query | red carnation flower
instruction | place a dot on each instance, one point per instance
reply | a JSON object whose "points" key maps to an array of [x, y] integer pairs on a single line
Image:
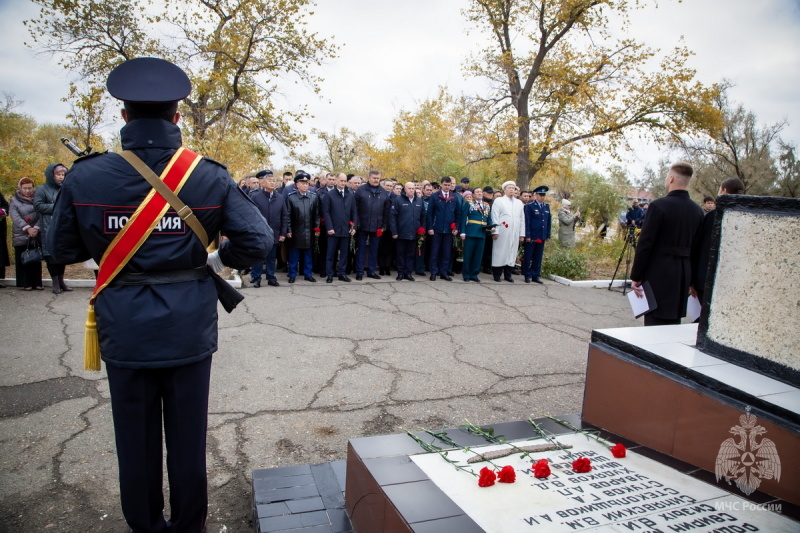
{"points": [[420, 231], [378, 232], [541, 468], [582, 465], [486, 478], [322, 221], [316, 229], [619, 451], [507, 475], [453, 225], [352, 223]]}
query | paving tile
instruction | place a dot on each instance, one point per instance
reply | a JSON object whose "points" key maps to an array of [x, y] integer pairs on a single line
{"points": [[282, 495], [281, 471], [280, 482], [453, 524], [392, 470], [420, 501], [305, 505], [294, 521]]}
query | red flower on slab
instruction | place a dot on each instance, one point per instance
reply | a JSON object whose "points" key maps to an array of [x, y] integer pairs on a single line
{"points": [[507, 475], [420, 231], [541, 468], [378, 232], [618, 451], [582, 465], [486, 478]]}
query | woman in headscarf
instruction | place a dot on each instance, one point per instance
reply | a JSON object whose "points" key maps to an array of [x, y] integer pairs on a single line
{"points": [[566, 224], [24, 234], [43, 202]]}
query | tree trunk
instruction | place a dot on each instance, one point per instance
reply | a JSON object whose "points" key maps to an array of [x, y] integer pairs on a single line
{"points": [[523, 145]]}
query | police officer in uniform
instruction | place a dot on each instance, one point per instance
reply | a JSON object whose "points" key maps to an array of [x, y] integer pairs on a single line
{"points": [[157, 319], [538, 223]]}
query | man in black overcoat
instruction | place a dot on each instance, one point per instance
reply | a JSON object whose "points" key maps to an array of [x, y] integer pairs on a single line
{"points": [[339, 212], [663, 253]]}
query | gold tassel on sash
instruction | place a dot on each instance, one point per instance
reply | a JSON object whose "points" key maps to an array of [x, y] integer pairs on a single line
{"points": [[91, 349]]}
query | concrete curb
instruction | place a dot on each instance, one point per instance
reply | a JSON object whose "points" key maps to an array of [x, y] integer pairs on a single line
{"points": [[596, 283]]}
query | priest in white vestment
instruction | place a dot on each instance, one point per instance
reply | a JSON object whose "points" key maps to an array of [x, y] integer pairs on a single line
{"points": [[509, 231]]}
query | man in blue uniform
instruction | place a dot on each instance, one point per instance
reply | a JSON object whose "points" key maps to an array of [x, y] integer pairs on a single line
{"points": [[444, 216], [537, 231], [157, 319]]}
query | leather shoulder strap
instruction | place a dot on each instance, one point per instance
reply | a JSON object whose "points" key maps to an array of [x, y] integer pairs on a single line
{"points": [[172, 199]]}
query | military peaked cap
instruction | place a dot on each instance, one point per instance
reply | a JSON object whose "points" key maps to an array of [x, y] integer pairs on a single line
{"points": [[148, 80]]}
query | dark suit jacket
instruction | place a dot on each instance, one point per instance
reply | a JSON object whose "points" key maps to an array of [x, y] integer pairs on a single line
{"points": [[663, 253], [441, 213], [339, 212]]}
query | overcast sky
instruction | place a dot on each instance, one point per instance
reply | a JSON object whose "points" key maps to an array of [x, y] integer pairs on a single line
{"points": [[395, 54]]}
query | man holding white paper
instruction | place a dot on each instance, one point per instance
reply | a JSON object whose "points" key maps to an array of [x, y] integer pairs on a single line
{"points": [[663, 253]]}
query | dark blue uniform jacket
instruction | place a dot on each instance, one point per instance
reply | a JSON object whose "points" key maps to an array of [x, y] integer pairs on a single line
{"points": [[273, 210], [339, 212], [441, 213], [372, 207], [154, 326], [538, 221], [406, 216]]}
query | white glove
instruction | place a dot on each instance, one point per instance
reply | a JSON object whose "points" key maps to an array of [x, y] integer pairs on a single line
{"points": [[215, 262]]}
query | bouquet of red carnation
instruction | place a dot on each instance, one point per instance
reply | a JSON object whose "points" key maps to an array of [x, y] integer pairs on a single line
{"points": [[379, 232], [420, 240], [486, 478], [541, 468], [582, 465]]}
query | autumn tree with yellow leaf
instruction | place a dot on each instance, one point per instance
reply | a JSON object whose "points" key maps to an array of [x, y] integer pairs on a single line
{"points": [[236, 52], [562, 76]]}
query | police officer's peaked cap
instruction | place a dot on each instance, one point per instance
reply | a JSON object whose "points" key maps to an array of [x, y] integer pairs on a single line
{"points": [[148, 80], [302, 176], [541, 189], [264, 173]]}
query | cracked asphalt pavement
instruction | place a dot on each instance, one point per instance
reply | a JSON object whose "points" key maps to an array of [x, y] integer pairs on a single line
{"points": [[301, 369]]}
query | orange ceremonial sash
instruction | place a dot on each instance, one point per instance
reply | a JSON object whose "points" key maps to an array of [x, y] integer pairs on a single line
{"points": [[126, 243]]}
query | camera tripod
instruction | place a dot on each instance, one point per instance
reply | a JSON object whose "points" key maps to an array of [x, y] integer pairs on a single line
{"points": [[628, 250]]}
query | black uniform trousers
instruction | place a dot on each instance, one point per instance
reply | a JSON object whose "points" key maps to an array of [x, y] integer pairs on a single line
{"points": [[336, 245], [138, 399]]}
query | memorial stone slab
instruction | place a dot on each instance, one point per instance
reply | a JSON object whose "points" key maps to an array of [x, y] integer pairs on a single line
{"points": [[752, 291], [633, 493]]}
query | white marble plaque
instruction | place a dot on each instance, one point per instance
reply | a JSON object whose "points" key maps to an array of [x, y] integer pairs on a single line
{"points": [[628, 494]]}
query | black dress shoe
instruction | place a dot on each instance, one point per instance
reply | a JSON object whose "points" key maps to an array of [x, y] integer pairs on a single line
{"points": [[451, 273], [497, 279], [476, 280], [510, 280], [409, 277], [373, 276], [433, 277], [257, 283], [291, 280], [312, 279], [344, 278], [446, 277], [527, 280], [399, 277], [359, 277], [329, 279], [418, 273], [273, 283], [537, 280]]}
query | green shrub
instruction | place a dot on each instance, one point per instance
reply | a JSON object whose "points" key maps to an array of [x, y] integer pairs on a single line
{"points": [[565, 262]]}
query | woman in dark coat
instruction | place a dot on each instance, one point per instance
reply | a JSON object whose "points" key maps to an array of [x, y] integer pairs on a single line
{"points": [[4, 259], [25, 230], [43, 202]]}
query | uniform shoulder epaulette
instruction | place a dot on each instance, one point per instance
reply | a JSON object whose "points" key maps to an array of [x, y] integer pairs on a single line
{"points": [[292, 192], [215, 162], [93, 154]]}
